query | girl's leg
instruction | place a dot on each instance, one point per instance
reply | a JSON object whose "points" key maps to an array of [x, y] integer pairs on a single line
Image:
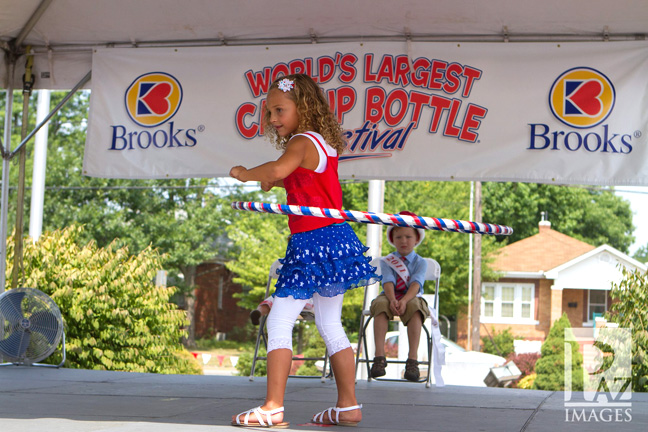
{"points": [[328, 312], [281, 321], [280, 324]]}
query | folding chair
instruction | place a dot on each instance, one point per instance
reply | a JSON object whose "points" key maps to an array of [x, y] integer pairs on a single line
{"points": [[433, 274], [263, 334]]}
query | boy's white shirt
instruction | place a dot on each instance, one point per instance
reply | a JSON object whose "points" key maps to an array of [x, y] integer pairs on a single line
{"points": [[397, 264]]}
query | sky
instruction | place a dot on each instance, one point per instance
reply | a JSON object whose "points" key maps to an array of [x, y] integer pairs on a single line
{"points": [[638, 197]]}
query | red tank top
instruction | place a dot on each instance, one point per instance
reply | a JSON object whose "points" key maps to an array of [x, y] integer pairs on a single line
{"points": [[305, 187]]}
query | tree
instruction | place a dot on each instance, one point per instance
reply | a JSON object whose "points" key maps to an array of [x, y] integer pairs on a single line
{"points": [[595, 216], [641, 254], [115, 317], [448, 200], [628, 309], [258, 240], [182, 218], [550, 367]]}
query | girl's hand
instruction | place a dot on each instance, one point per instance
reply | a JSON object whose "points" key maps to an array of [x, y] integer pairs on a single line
{"points": [[237, 172], [266, 186]]}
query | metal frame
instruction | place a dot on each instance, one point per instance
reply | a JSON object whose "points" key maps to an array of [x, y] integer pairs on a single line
{"points": [[262, 335]]}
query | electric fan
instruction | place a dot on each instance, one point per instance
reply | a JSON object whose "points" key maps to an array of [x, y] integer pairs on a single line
{"points": [[31, 326]]}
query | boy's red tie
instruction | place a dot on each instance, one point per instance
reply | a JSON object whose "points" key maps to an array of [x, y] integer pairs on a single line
{"points": [[401, 287]]}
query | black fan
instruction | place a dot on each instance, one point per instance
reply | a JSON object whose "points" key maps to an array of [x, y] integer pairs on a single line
{"points": [[31, 326]]}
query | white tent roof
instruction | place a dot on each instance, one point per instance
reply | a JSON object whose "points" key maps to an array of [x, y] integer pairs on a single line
{"points": [[70, 28]]}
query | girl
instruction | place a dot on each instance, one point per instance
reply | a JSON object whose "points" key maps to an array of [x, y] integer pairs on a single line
{"points": [[324, 257]]}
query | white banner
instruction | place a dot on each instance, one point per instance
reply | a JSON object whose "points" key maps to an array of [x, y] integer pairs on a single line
{"points": [[569, 113]]}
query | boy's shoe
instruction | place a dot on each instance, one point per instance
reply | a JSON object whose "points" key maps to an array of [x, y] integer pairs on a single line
{"points": [[412, 370], [378, 368], [254, 316]]}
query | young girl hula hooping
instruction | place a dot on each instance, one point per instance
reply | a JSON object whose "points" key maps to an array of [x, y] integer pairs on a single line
{"points": [[324, 257]]}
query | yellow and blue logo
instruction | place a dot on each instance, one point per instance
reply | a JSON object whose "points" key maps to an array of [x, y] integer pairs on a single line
{"points": [[582, 97], [153, 98]]}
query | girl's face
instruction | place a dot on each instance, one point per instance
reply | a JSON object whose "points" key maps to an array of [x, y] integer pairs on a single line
{"points": [[283, 112], [404, 238]]}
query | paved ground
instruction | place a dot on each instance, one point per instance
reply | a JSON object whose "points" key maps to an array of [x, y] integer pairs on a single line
{"points": [[56, 400]]}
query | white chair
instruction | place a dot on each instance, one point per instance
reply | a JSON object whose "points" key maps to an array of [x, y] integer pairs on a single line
{"points": [[434, 348], [263, 336]]}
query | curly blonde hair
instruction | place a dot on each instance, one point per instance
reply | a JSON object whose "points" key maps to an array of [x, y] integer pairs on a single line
{"points": [[313, 111]]}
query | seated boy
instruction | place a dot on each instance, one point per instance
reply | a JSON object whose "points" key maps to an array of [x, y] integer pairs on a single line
{"points": [[403, 275]]}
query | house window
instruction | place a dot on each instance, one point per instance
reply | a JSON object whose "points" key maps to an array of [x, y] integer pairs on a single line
{"points": [[507, 302], [597, 304]]}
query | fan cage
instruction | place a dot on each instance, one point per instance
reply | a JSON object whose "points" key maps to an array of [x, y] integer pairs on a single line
{"points": [[31, 325]]}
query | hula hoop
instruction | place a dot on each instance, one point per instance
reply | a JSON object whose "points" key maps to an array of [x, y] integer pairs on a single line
{"points": [[429, 223]]}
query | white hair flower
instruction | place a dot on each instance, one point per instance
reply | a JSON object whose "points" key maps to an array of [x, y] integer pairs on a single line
{"points": [[286, 85]]}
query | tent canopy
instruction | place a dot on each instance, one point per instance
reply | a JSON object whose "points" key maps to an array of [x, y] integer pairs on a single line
{"points": [[62, 33]]}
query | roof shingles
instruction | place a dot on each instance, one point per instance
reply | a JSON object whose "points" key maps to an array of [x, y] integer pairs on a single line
{"points": [[544, 251]]}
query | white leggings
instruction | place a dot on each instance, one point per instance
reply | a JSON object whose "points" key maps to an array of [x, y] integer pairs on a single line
{"points": [[328, 312]]}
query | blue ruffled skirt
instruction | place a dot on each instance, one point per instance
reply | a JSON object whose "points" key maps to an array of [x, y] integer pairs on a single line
{"points": [[328, 261]]}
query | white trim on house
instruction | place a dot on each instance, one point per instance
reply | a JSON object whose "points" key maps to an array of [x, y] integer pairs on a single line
{"points": [[523, 275], [631, 262], [597, 269], [519, 309]]}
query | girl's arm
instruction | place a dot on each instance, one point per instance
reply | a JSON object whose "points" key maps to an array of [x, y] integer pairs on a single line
{"points": [[299, 152]]}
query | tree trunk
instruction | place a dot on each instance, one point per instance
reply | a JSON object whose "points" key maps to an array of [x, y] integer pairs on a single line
{"points": [[190, 300]]}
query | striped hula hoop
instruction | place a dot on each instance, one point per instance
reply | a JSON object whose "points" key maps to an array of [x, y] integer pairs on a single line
{"points": [[452, 225]]}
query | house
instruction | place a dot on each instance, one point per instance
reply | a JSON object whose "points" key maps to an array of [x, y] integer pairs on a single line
{"points": [[216, 312], [546, 275]]}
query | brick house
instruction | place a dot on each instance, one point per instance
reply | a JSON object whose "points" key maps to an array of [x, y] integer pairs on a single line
{"points": [[546, 275], [215, 307]]}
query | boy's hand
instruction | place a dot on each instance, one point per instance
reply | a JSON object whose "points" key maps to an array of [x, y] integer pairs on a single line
{"points": [[402, 306], [393, 306], [237, 172]]}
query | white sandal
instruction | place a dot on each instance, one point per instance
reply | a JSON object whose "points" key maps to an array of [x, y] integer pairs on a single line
{"points": [[258, 414], [319, 417]]}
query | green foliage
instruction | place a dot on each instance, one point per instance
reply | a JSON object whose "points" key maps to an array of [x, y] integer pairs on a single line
{"points": [[550, 368], [574, 211], [244, 364], [501, 345], [527, 381], [641, 254], [115, 317], [259, 240], [449, 200], [628, 309], [315, 347]]}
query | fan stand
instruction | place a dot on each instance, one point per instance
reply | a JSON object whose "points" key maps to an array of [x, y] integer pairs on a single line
{"points": [[21, 363]]}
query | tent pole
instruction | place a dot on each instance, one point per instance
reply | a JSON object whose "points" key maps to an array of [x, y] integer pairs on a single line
{"points": [[470, 266], [29, 25], [375, 203], [40, 164], [476, 306], [4, 194]]}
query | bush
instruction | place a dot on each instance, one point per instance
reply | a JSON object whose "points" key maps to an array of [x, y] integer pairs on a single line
{"points": [[629, 311], [527, 382], [244, 364], [115, 317], [525, 362], [501, 343], [550, 367]]}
